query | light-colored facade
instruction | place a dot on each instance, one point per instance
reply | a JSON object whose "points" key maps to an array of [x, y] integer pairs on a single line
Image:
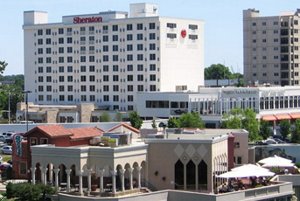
{"points": [[105, 58], [271, 43], [212, 103]]}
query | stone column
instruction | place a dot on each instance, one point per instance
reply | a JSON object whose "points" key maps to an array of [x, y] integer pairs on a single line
{"points": [[50, 173], [80, 182], [56, 171], [89, 173], [196, 179], [33, 175], [45, 175], [139, 176], [113, 174], [68, 179], [101, 173], [130, 178], [42, 174], [184, 177], [122, 171]]}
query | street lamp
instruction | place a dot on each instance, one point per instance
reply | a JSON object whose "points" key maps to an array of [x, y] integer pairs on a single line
{"points": [[26, 102]]}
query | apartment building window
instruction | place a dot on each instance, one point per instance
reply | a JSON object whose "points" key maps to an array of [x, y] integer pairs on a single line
{"points": [[70, 88], [129, 37], [152, 77], [276, 74], [129, 27], [40, 69], [152, 87], [82, 59], [83, 87], [130, 107], [253, 23], [48, 79], [40, 32], [105, 98], [115, 87], [129, 67], [139, 36], [115, 57], [83, 78], [129, 78], [105, 68], [115, 38], [171, 35], [82, 68], [139, 26], [139, 47], [70, 97], [60, 31], [115, 98], [152, 57], [105, 38], [115, 78], [40, 88], [264, 23], [264, 40], [91, 58], [105, 78], [130, 98], [92, 98], [69, 49], [152, 36], [140, 67], [115, 28], [152, 67], [69, 59], [140, 87], [152, 46], [48, 60], [171, 25], [61, 50], [140, 77], [48, 41], [69, 40], [60, 40], [193, 37], [129, 57], [48, 69], [105, 58], [152, 25], [61, 78], [61, 59], [92, 87], [61, 98], [40, 60], [115, 68], [193, 26], [70, 78], [40, 41], [61, 88], [83, 97], [129, 87], [49, 88], [92, 68], [105, 48], [48, 50], [70, 69], [92, 78], [40, 79], [105, 87]]}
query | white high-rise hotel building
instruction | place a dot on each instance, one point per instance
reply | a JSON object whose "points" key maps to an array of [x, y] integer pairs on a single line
{"points": [[108, 57]]}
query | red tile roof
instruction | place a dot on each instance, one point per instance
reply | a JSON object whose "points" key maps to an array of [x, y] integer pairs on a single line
{"points": [[88, 132], [51, 130], [126, 126]]}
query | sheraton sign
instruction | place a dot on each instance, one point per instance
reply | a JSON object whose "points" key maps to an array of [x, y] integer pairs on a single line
{"points": [[80, 20]]}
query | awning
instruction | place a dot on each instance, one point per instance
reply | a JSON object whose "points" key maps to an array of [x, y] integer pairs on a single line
{"points": [[295, 115], [269, 118], [282, 116]]}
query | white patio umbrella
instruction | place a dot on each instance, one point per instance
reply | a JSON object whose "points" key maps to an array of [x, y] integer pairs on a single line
{"points": [[250, 167], [242, 174], [275, 159], [278, 164]]}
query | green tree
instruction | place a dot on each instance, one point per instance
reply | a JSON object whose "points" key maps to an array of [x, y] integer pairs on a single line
{"points": [[190, 120], [105, 117], [217, 72], [135, 120], [296, 132], [173, 123], [285, 128], [3, 65], [264, 130], [232, 120]]}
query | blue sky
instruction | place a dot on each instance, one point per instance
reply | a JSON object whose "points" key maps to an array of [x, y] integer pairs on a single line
{"points": [[223, 23]]}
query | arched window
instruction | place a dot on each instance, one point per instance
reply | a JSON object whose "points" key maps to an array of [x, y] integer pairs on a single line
{"points": [[191, 175], [202, 175], [179, 175]]}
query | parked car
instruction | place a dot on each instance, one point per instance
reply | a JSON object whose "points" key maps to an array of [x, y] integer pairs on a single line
{"points": [[270, 141], [4, 166], [6, 150], [2, 138]]}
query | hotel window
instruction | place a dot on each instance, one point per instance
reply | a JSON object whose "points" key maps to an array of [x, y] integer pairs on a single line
{"points": [[49, 88], [92, 78], [48, 41], [115, 98], [139, 36], [105, 68], [105, 98], [91, 58], [130, 98], [70, 88], [105, 48], [115, 87], [69, 49], [129, 27], [105, 28], [83, 97], [115, 48], [92, 98], [171, 35], [61, 78], [60, 31], [40, 60], [129, 57], [193, 37], [115, 38], [129, 37], [105, 58], [83, 78], [105, 78], [152, 46], [82, 68], [115, 57], [115, 78], [140, 87], [40, 50], [92, 68], [40, 69], [115, 28], [130, 107], [40, 32], [61, 41], [91, 29], [61, 88], [171, 25], [129, 78], [129, 47], [152, 87], [140, 67], [140, 77], [40, 78], [105, 38], [70, 78], [23, 168], [105, 87], [48, 31], [41, 98], [40, 41], [70, 69], [61, 59], [48, 50], [152, 67], [152, 36], [140, 57], [69, 30], [48, 69], [193, 26], [40, 88], [48, 79], [92, 87], [83, 87], [152, 57], [115, 68], [61, 98], [139, 26], [129, 67], [48, 60], [69, 40], [82, 59], [70, 97], [152, 25], [139, 47], [152, 77], [129, 87], [70, 59], [61, 50]]}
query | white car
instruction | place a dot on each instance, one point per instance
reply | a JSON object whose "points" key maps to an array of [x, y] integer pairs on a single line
{"points": [[6, 150]]}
